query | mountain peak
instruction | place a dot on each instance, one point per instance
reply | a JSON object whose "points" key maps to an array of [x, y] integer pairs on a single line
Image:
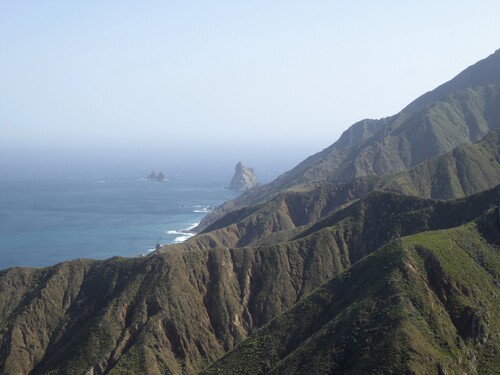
{"points": [[484, 72]]}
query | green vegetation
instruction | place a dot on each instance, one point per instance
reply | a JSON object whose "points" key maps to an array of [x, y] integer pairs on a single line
{"points": [[416, 305], [461, 172]]}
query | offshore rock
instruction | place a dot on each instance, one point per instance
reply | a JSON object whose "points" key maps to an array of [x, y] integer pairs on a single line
{"points": [[160, 177], [153, 176], [244, 178]]}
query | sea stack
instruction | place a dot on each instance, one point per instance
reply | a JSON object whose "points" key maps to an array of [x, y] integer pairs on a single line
{"points": [[153, 176], [244, 178], [160, 177]]}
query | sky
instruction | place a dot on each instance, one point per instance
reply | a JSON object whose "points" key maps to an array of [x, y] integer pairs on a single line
{"points": [[129, 86]]}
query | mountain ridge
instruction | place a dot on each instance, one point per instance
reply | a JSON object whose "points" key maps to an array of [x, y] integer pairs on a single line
{"points": [[462, 171], [478, 74], [401, 141]]}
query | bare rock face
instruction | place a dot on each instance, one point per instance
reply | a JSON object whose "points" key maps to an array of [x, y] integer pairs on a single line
{"points": [[244, 178]]}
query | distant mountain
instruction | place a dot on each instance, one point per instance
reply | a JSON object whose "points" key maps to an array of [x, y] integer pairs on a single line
{"points": [[461, 111], [458, 112], [484, 73]]}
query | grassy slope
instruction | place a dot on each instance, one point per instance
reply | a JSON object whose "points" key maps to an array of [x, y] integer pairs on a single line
{"points": [[463, 171], [424, 304], [285, 212], [172, 312]]}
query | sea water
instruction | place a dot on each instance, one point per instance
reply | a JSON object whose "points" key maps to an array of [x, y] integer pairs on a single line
{"points": [[46, 222]]}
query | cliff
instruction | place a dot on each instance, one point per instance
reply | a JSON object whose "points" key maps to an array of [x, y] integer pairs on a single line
{"points": [[244, 178]]}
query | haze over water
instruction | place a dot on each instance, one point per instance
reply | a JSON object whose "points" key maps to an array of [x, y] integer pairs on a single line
{"points": [[120, 85]]}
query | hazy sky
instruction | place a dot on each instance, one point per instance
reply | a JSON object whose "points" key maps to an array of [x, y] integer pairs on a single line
{"points": [[187, 81]]}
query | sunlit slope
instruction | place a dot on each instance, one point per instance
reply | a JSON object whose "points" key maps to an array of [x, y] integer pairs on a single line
{"points": [[460, 172], [425, 304]]}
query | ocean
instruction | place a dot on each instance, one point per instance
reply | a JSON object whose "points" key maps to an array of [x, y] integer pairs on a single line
{"points": [[46, 222]]}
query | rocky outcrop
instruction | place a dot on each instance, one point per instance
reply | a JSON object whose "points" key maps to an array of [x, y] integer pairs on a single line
{"points": [[160, 177], [244, 178]]}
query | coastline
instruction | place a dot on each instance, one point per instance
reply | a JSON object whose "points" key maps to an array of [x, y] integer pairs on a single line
{"points": [[182, 234], [99, 219]]}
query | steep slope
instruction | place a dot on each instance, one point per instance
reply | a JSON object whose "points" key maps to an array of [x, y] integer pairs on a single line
{"points": [[463, 171], [483, 73], [459, 112], [424, 304], [282, 216], [179, 310]]}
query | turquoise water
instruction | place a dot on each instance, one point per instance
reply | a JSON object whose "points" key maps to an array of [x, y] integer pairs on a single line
{"points": [[43, 223]]}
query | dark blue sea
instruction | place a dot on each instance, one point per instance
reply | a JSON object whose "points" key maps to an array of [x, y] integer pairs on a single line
{"points": [[46, 222]]}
